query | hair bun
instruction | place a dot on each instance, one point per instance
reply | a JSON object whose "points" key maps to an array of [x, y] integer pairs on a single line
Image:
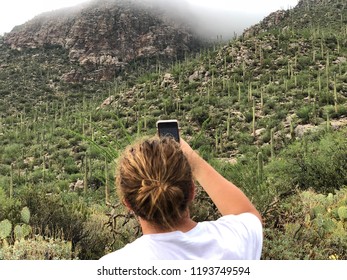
{"points": [[151, 184]]}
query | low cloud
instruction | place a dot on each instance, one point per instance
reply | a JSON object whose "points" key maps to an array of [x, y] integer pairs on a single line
{"points": [[220, 20], [211, 22]]}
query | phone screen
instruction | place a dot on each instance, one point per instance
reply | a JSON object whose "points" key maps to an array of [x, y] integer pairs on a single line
{"points": [[168, 128]]}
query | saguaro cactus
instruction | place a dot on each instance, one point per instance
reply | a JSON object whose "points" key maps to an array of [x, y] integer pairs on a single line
{"points": [[11, 180], [228, 124], [272, 142], [335, 95], [85, 181], [107, 188], [253, 118], [328, 123], [260, 167], [239, 92]]}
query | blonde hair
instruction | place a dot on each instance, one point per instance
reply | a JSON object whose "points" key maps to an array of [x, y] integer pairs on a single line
{"points": [[155, 179]]}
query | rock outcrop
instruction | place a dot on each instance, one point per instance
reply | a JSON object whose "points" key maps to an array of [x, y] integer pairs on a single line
{"points": [[104, 36]]}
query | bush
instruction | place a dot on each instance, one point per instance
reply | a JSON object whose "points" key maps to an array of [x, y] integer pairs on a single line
{"points": [[244, 174], [309, 226], [305, 114], [97, 238], [319, 164], [200, 114], [56, 215], [37, 248]]}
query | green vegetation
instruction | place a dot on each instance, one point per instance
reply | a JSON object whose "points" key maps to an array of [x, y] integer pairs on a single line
{"points": [[267, 110]]}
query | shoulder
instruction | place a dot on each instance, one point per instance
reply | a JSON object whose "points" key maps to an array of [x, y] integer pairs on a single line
{"points": [[243, 232], [248, 219], [242, 222], [138, 249], [243, 227]]}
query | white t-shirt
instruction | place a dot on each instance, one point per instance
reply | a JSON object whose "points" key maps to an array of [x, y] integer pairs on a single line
{"points": [[231, 237]]}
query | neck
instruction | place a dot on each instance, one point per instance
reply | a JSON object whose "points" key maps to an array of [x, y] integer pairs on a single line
{"points": [[185, 225]]}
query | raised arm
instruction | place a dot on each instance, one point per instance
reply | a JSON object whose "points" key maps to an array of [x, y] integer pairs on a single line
{"points": [[228, 198]]}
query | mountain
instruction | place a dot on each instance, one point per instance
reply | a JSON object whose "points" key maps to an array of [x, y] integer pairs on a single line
{"points": [[307, 14], [104, 36], [267, 109]]}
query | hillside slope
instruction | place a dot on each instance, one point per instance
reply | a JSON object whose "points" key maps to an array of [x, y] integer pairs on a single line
{"points": [[105, 36], [268, 110]]}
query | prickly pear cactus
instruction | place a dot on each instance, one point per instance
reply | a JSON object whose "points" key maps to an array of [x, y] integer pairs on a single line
{"points": [[25, 215], [26, 230], [342, 212], [5, 229], [18, 232], [21, 231]]}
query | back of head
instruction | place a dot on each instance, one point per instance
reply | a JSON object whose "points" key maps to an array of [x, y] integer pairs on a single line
{"points": [[155, 179]]}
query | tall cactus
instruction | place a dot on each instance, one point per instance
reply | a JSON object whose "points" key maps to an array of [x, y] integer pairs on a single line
{"points": [[85, 180], [272, 142], [43, 169], [107, 188], [239, 92], [260, 167], [216, 140], [253, 118], [327, 66], [228, 124], [250, 93], [261, 99], [335, 95], [291, 129], [11, 180]]}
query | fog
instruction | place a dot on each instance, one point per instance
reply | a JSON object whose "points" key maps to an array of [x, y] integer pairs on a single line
{"points": [[210, 18], [221, 18], [211, 21]]}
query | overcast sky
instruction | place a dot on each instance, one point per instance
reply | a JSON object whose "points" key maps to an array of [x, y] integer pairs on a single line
{"points": [[249, 12]]}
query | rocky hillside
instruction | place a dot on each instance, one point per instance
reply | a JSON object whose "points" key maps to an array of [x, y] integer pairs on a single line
{"points": [[273, 103], [105, 36], [314, 14]]}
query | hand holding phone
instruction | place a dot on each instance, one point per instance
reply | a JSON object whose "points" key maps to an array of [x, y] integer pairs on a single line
{"points": [[168, 128]]}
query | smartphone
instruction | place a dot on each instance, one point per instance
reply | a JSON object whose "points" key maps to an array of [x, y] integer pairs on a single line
{"points": [[168, 128]]}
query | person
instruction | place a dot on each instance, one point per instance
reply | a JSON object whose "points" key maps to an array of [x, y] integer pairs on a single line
{"points": [[156, 180]]}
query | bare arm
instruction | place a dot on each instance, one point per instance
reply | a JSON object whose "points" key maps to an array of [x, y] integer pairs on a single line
{"points": [[228, 198]]}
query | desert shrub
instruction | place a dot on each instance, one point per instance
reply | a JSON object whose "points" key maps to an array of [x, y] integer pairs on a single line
{"points": [[123, 226], [5, 169], [245, 175], [97, 238], [305, 114], [10, 208], [308, 226], [55, 215], [200, 114], [340, 112], [11, 153], [319, 164], [202, 208], [37, 248], [18, 243], [70, 166]]}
